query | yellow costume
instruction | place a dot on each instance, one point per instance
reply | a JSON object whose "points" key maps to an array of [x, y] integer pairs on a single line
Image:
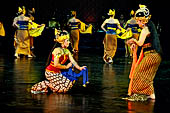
{"points": [[36, 29], [22, 39], [110, 40], [84, 30], [2, 30], [74, 23]]}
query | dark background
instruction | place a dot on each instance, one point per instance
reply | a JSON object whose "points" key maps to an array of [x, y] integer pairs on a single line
{"points": [[88, 11]]}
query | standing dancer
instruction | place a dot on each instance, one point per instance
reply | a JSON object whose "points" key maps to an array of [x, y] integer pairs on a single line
{"points": [[31, 15], [144, 69], [74, 24], [59, 74], [134, 27], [110, 40], [22, 39], [35, 30]]}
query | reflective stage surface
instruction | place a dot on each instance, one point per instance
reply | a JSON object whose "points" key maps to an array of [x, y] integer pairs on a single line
{"points": [[108, 84]]}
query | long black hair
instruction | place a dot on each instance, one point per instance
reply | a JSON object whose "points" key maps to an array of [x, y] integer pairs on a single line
{"points": [[57, 44], [50, 54], [155, 38]]}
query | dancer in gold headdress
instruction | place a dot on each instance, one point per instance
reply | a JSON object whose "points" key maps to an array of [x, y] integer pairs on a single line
{"points": [[133, 27], [110, 40], [59, 74], [22, 40], [35, 30], [74, 24], [144, 69]]}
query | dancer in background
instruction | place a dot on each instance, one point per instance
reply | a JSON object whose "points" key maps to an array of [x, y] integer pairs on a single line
{"points": [[74, 24], [21, 38], [144, 69], [122, 21], [2, 34], [134, 27], [123, 24], [59, 73], [110, 40], [31, 16], [2, 30], [35, 30]]}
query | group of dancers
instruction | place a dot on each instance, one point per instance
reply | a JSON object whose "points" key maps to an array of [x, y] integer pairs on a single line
{"points": [[60, 72], [26, 29], [140, 32]]}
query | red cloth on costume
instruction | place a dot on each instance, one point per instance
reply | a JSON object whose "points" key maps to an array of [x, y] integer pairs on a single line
{"points": [[62, 59]]}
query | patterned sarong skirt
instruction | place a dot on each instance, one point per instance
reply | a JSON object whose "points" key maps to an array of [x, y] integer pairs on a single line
{"points": [[59, 82], [144, 73]]}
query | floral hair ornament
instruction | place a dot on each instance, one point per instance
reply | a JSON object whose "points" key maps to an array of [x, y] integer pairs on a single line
{"points": [[143, 13]]}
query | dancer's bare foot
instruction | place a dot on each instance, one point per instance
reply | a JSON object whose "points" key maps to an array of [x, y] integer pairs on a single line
{"points": [[30, 56], [16, 55], [152, 96]]}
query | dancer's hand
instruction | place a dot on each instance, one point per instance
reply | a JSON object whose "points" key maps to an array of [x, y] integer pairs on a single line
{"points": [[132, 47], [130, 41], [89, 25], [42, 24], [83, 67], [69, 65]]}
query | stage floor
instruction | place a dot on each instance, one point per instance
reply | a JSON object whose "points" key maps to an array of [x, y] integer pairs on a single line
{"points": [[108, 84]]}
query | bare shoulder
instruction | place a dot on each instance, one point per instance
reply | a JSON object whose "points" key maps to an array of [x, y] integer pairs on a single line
{"points": [[57, 50], [116, 20], [27, 18], [106, 21], [16, 18], [78, 20]]}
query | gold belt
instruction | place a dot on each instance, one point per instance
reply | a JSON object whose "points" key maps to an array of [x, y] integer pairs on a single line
{"points": [[150, 51], [147, 45]]}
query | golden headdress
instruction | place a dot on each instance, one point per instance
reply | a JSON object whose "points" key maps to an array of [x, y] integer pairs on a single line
{"points": [[132, 12], [111, 12], [61, 36], [31, 11], [24, 10], [143, 13], [21, 10], [73, 13]]}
